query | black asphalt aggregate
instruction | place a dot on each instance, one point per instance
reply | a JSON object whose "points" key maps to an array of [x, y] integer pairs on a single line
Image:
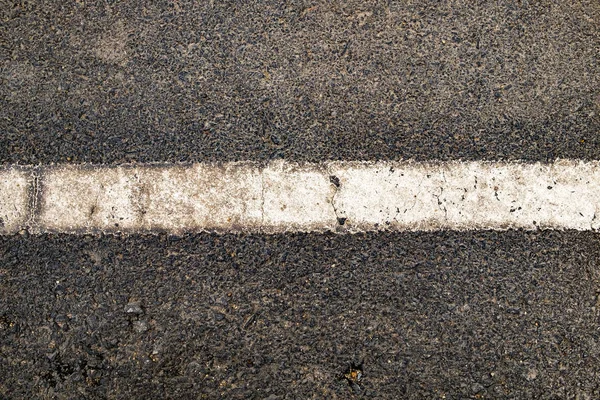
{"points": [[170, 81], [471, 315], [429, 315]]}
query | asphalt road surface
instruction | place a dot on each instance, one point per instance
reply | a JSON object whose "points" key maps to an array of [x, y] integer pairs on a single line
{"points": [[453, 315], [429, 315], [113, 82]]}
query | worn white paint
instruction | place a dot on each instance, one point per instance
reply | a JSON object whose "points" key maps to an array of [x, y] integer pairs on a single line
{"points": [[166, 198], [15, 184], [466, 196], [288, 197], [297, 198]]}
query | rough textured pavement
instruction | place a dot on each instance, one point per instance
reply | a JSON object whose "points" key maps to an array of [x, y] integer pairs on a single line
{"points": [[430, 315], [460, 315], [111, 82]]}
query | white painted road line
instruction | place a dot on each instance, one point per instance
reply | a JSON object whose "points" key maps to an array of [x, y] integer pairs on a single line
{"points": [[287, 197]]}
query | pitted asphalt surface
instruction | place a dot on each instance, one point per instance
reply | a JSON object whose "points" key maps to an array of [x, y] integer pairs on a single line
{"points": [[170, 81], [430, 315]]}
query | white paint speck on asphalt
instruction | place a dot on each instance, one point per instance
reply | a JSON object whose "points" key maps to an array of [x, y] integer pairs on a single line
{"points": [[288, 197]]}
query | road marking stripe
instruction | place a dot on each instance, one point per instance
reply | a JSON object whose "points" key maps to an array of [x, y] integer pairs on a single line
{"points": [[289, 197]]}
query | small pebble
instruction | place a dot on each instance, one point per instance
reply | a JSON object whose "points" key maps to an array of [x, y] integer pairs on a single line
{"points": [[531, 374], [140, 326], [134, 308], [219, 316]]}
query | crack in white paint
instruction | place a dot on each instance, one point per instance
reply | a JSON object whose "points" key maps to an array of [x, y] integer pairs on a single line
{"points": [[290, 197], [336, 186], [34, 197], [262, 197]]}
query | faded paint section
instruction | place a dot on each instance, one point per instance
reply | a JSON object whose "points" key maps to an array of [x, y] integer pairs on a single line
{"points": [[176, 199], [297, 198], [201, 197], [75, 199], [15, 185]]}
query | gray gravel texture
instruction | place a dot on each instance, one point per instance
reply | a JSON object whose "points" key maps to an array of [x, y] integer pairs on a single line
{"points": [[510, 315], [113, 82]]}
